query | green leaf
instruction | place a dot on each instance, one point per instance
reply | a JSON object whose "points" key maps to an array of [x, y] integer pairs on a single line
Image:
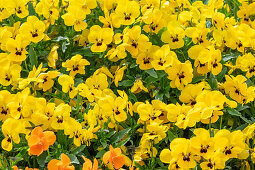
{"points": [[31, 9], [123, 142], [116, 138], [171, 135], [152, 73], [100, 154], [73, 159], [198, 79], [222, 74], [212, 81], [126, 83], [234, 112], [78, 150], [32, 56], [42, 159]]}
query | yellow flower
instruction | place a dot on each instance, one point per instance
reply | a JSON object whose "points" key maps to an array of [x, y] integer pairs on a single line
{"points": [[174, 35], [138, 87], [18, 7], [84, 6], [33, 29], [202, 143], [181, 74], [11, 129], [198, 33], [155, 20], [67, 84], [21, 106], [119, 74], [100, 37], [74, 130], [76, 65], [247, 64], [238, 90], [145, 58], [5, 34], [229, 144], [17, 48], [126, 12], [181, 150], [190, 92], [74, 18], [53, 56], [136, 42], [114, 107], [163, 58], [115, 54], [47, 80], [5, 98], [61, 116], [10, 73]]}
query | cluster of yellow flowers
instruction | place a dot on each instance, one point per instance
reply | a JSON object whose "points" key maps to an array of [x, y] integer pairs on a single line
{"points": [[185, 65]]}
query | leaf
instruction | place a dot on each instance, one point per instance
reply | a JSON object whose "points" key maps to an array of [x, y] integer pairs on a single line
{"points": [[159, 96], [100, 154], [171, 135], [234, 112], [31, 9], [123, 142], [42, 159], [139, 166], [116, 138], [78, 150], [198, 79], [222, 74], [212, 81], [126, 83], [152, 73], [73, 159], [240, 107], [32, 56]]}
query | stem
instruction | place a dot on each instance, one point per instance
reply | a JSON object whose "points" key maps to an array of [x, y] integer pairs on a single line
{"points": [[221, 122], [210, 124], [48, 150]]}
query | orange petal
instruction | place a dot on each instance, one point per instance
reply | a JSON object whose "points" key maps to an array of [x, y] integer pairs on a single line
{"points": [[95, 166], [33, 140], [118, 161], [50, 136], [106, 157], [69, 168], [45, 143], [38, 131], [15, 168], [65, 159], [52, 165], [36, 149]]}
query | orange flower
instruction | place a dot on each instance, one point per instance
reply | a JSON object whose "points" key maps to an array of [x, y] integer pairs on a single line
{"points": [[40, 141], [16, 168], [87, 165], [114, 157], [63, 164]]}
